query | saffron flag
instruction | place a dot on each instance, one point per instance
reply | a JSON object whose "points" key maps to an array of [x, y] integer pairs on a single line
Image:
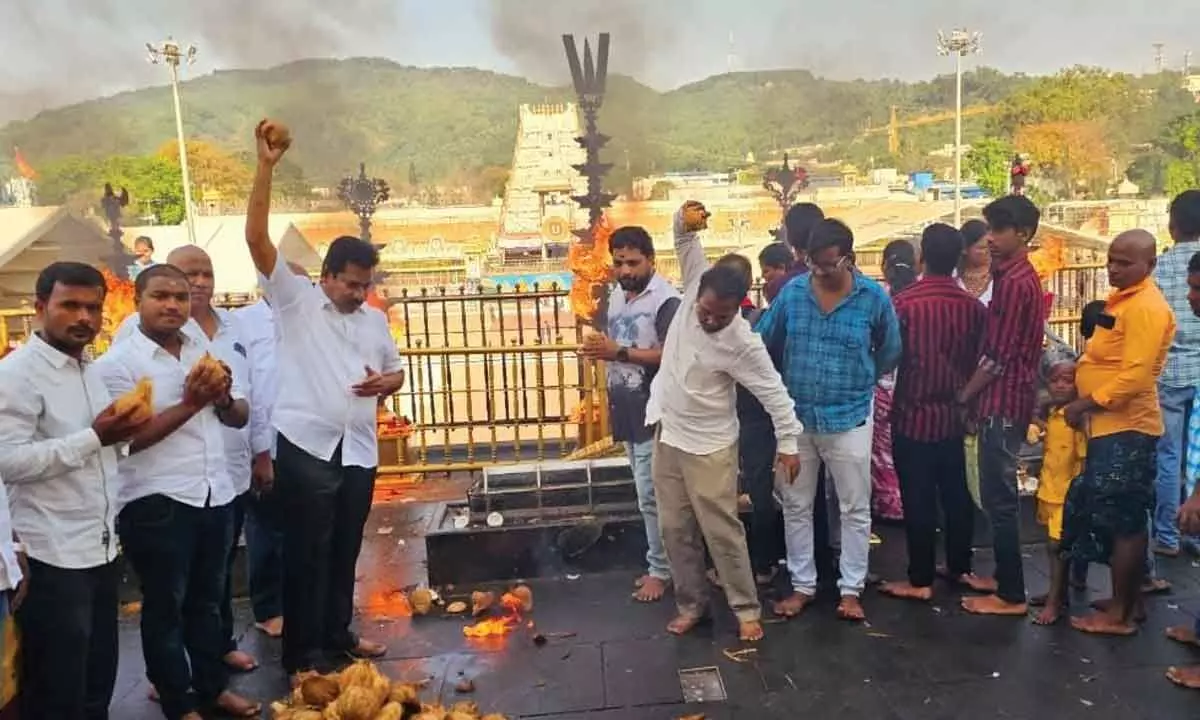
{"points": [[24, 168]]}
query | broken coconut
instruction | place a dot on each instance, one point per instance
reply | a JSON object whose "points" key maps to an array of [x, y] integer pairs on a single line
{"points": [[318, 690], [481, 602], [421, 600], [456, 607], [525, 595]]}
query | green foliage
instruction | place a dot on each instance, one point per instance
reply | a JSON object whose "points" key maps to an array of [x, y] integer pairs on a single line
{"points": [[153, 183], [1180, 175], [990, 163]]}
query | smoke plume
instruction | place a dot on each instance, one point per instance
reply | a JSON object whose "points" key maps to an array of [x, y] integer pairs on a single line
{"points": [[70, 50]]}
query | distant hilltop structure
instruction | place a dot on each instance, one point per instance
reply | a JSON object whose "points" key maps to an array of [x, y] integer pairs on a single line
{"points": [[538, 214]]}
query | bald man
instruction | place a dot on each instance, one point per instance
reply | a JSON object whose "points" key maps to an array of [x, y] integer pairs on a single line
{"points": [[264, 533], [1108, 506]]}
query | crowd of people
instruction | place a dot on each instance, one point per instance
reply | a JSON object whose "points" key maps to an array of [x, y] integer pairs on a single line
{"points": [[840, 399], [769, 437]]}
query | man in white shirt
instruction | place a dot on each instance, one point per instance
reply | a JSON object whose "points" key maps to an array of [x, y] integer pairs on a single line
{"points": [[174, 501], [57, 436], [336, 359], [264, 530], [710, 348]]}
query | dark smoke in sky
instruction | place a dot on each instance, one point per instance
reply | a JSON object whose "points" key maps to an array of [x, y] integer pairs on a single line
{"points": [[72, 50]]}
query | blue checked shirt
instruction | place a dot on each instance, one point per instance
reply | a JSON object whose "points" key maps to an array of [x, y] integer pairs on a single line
{"points": [[831, 362], [1182, 369]]}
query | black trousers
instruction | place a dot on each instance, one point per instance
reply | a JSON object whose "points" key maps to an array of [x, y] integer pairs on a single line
{"points": [[756, 450], [325, 507], [999, 441], [933, 472], [69, 648], [178, 552]]}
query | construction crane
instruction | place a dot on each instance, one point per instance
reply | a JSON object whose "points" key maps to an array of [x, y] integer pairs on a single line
{"points": [[893, 127]]}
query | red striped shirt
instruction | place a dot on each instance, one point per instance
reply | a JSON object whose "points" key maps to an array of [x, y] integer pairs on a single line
{"points": [[1012, 345], [941, 327]]}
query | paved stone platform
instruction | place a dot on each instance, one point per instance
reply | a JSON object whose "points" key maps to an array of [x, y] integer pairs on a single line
{"points": [[609, 658]]}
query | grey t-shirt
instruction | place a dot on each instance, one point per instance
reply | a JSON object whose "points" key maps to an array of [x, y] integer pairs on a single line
{"points": [[627, 400]]}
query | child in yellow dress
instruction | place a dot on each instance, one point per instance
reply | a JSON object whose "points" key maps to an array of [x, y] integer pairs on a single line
{"points": [[1064, 450]]}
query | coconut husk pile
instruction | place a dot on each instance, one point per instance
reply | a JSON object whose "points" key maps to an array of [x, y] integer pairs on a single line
{"points": [[362, 692]]}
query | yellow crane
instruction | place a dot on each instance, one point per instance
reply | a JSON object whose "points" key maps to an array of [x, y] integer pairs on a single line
{"points": [[893, 127]]}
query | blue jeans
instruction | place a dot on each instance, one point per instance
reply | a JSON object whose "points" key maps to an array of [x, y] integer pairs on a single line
{"points": [[640, 455], [1175, 403]]}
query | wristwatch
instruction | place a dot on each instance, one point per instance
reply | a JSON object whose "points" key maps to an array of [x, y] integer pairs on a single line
{"points": [[623, 354]]}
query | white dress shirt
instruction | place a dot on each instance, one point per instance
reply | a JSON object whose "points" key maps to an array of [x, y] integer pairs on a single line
{"points": [[693, 394], [322, 353], [62, 485], [10, 568], [231, 345], [261, 329], [189, 465]]}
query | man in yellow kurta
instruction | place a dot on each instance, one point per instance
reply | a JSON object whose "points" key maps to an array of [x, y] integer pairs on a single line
{"points": [[1107, 508]]}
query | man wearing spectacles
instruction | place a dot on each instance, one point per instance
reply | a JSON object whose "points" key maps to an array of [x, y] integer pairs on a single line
{"points": [[838, 334]]}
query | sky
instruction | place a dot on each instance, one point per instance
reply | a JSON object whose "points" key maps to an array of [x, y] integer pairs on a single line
{"points": [[62, 51]]}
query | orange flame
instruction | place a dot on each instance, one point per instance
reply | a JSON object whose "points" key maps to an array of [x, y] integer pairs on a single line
{"points": [[119, 304], [24, 169], [591, 266], [1049, 257], [501, 626]]}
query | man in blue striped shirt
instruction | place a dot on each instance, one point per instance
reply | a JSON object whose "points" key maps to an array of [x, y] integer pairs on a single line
{"points": [[838, 334]]}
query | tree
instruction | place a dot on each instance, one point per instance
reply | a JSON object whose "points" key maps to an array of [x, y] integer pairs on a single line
{"points": [[1074, 153], [154, 185], [990, 162], [211, 169], [1180, 175], [414, 180], [661, 190]]}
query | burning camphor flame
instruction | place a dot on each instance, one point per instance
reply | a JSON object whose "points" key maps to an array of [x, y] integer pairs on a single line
{"points": [[501, 626], [591, 267], [1049, 257], [119, 304]]}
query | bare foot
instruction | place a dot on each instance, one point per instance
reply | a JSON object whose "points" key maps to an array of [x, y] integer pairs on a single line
{"points": [[638, 582], [192, 716], [906, 591], [1049, 615], [1188, 677], [272, 627], [651, 590], [792, 606], [1185, 634], [367, 649], [683, 624], [851, 609], [1106, 604], [1156, 586], [239, 661], [237, 706], [977, 583], [750, 631], [1166, 551], [993, 605], [1101, 623]]}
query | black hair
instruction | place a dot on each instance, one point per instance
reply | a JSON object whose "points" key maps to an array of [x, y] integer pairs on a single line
{"points": [[831, 233], [1015, 212], [162, 269], [349, 250], [1185, 214], [778, 255], [1194, 264], [973, 231], [1089, 317], [724, 281], [738, 261], [799, 222], [632, 237], [941, 248], [145, 241], [70, 274], [899, 265]]}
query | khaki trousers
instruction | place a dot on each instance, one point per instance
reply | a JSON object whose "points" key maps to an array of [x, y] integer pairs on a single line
{"points": [[697, 504]]}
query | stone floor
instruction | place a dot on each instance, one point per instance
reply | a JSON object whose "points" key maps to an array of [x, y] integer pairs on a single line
{"points": [[608, 658]]}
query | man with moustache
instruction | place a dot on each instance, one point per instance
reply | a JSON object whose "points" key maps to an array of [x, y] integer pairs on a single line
{"points": [[58, 439], [640, 309], [175, 498], [710, 349], [336, 359]]}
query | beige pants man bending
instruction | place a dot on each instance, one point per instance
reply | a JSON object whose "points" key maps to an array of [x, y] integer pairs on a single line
{"points": [[697, 505]]}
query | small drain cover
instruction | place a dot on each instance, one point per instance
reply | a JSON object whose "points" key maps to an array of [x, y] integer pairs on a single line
{"points": [[702, 685]]}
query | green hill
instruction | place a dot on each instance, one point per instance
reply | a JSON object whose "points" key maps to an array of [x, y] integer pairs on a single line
{"points": [[449, 120]]}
